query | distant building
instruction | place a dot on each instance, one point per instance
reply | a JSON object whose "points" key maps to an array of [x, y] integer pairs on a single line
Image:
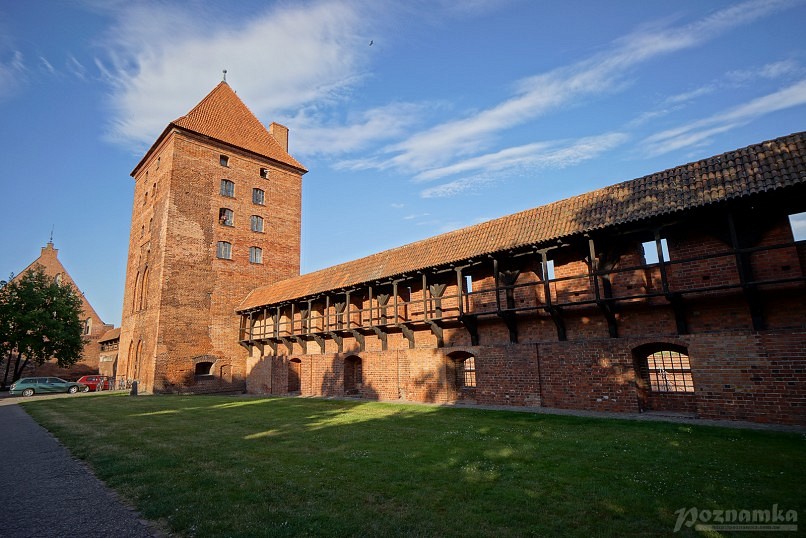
{"points": [[108, 356], [94, 327], [682, 291]]}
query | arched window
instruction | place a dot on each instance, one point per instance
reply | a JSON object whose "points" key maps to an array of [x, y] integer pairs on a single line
{"points": [[136, 296], [137, 358], [226, 217], [143, 295], [224, 250], [669, 371], [255, 255], [227, 188], [353, 375], [664, 380]]}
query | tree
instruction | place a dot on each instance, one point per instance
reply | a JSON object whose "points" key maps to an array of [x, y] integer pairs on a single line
{"points": [[39, 320]]}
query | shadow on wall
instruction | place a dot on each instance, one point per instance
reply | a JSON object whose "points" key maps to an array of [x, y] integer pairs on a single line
{"points": [[346, 376]]}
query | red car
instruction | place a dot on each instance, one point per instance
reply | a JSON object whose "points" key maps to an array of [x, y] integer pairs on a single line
{"points": [[96, 382]]}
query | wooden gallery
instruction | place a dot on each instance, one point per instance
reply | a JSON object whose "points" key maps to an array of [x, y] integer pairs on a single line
{"points": [[681, 291]]}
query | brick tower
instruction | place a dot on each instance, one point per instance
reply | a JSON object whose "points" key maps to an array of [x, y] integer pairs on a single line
{"points": [[216, 213]]}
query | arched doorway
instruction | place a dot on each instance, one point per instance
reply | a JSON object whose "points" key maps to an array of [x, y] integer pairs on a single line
{"points": [[353, 375], [294, 376]]}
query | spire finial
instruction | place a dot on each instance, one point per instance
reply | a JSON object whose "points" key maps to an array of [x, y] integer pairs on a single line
{"points": [[225, 75], [51, 233]]}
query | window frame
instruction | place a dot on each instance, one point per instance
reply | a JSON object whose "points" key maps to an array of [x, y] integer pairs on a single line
{"points": [[227, 188], [254, 220], [224, 250], [261, 196], [256, 255], [226, 217]]}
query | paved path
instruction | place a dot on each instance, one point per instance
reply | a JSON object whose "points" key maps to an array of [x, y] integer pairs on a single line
{"points": [[45, 492]]}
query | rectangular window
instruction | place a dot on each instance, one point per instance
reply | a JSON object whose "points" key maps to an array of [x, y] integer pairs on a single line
{"points": [[223, 160], [255, 255], [258, 196], [224, 250], [651, 251], [257, 223], [227, 188], [226, 217], [264, 173], [798, 223]]}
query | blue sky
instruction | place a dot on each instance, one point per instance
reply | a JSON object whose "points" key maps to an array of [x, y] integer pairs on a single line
{"points": [[414, 118]]}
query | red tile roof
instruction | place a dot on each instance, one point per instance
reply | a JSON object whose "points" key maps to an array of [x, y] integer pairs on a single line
{"points": [[758, 168], [112, 334], [222, 115]]}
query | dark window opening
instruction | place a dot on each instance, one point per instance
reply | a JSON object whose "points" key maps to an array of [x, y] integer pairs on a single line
{"points": [[204, 369], [223, 160], [226, 217], [264, 173]]}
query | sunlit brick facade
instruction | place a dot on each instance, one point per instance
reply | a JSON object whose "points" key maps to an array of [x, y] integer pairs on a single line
{"points": [[682, 291]]}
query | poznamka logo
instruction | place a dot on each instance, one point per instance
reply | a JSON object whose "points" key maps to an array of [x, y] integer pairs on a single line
{"points": [[774, 519]]}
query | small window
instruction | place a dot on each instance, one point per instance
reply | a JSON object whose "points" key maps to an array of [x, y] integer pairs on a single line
{"points": [[227, 188], [669, 371], [224, 250], [468, 284], [158, 161], [87, 326], [204, 369], [651, 251], [257, 223], [798, 223], [225, 217], [258, 196], [255, 255], [223, 160], [466, 373], [550, 270], [264, 173]]}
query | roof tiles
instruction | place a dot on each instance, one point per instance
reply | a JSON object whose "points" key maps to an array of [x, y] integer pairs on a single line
{"points": [[761, 167]]}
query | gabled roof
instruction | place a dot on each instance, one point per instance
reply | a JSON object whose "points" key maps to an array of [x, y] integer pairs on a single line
{"points": [[222, 116], [112, 334], [52, 266], [767, 166]]}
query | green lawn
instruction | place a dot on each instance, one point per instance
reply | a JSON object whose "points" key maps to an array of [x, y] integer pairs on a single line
{"points": [[235, 466]]}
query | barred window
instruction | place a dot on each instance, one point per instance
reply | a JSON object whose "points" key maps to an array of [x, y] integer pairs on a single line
{"points": [[255, 255], [227, 188], [466, 372], [224, 250], [257, 223], [669, 371], [226, 217], [258, 196]]}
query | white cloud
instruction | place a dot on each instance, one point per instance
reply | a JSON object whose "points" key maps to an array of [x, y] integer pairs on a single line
{"points": [[699, 131], [47, 65], [458, 186], [11, 74], [316, 135], [768, 71], [540, 94], [163, 59], [553, 154]]}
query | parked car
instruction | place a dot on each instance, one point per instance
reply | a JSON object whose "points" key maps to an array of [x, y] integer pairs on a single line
{"points": [[96, 382], [28, 386]]}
